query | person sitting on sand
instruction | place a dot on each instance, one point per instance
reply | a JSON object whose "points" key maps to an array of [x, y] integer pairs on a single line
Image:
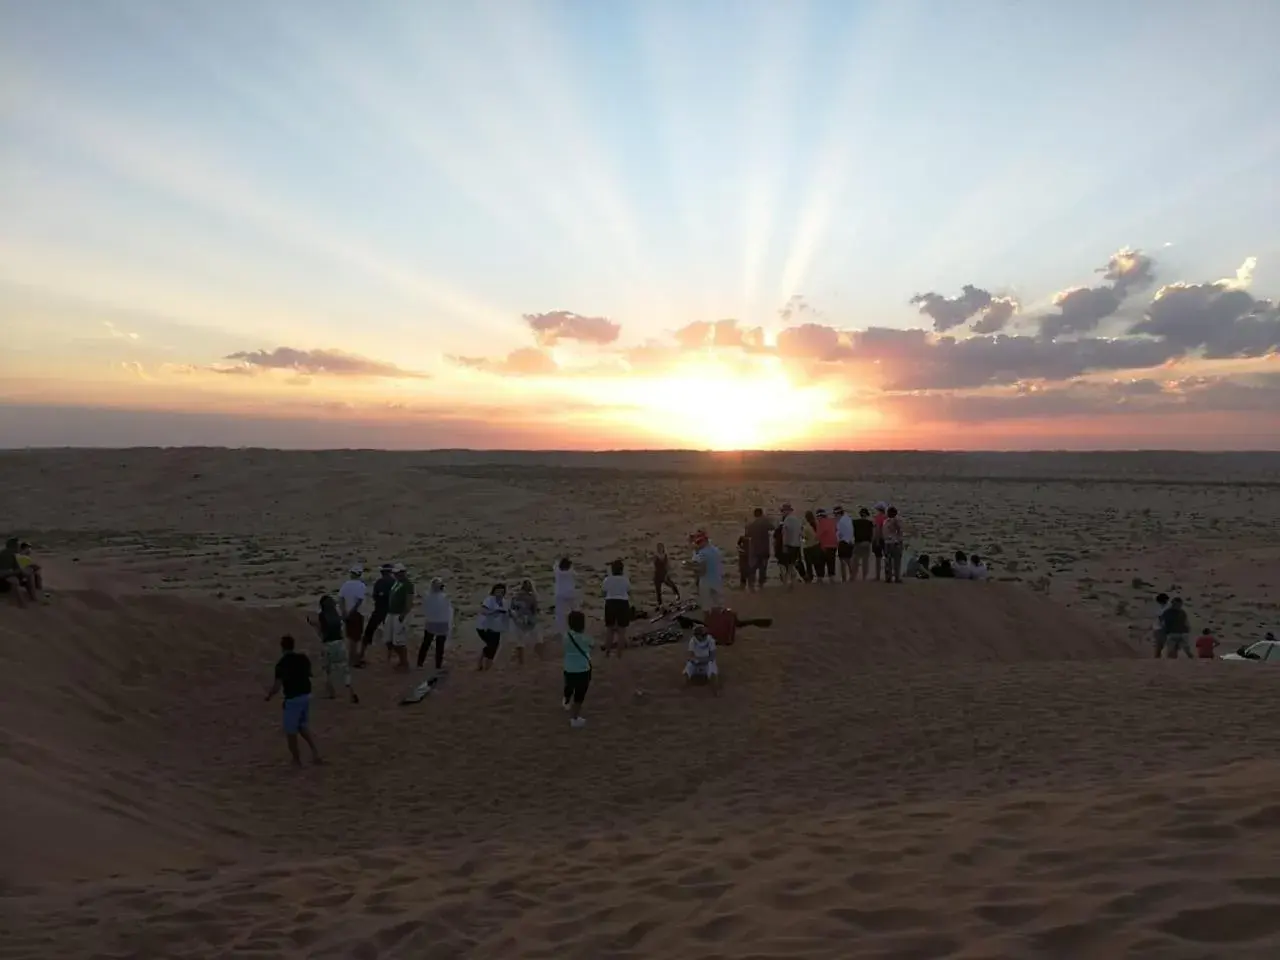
{"points": [[333, 649], [617, 608], [942, 569], [708, 564], [30, 569], [293, 679], [1157, 628], [495, 617], [662, 573], [701, 663], [577, 667], [381, 594], [437, 611], [11, 569], [399, 603], [917, 567], [566, 593], [1206, 643], [960, 566], [524, 617], [978, 569], [893, 535], [351, 596], [1177, 629]]}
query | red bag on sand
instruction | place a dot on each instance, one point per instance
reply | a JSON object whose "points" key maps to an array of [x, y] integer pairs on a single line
{"points": [[722, 623]]}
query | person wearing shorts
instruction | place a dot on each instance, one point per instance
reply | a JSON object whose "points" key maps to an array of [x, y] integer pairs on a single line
{"points": [[293, 679], [495, 617], [437, 612], [577, 667], [333, 649], [701, 663], [617, 609], [351, 596], [524, 618], [399, 603], [1177, 629]]}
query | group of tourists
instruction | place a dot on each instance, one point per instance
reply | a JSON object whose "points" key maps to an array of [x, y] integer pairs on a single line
{"points": [[813, 547]]}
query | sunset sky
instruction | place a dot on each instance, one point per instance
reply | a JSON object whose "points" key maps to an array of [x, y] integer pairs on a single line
{"points": [[589, 224]]}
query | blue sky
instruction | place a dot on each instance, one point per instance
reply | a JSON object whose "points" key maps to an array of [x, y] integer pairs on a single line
{"points": [[405, 181]]}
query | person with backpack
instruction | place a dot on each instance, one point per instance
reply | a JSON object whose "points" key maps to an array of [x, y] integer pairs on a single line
{"points": [[577, 667]]}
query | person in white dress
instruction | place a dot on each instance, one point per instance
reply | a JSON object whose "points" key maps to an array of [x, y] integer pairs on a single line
{"points": [[565, 593]]}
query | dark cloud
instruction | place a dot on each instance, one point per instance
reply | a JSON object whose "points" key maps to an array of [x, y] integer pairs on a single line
{"points": [[719, 333], [948, 313], [524, 362], [316, 362], [551, 328], [814, 341], [1221, 319], [1081, 309], [997, 316]]}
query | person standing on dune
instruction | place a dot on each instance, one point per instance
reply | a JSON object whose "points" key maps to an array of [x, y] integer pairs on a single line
{"points": [[524, 617], [708, 564], [759, 537], [333, 649], [565, 593], [399, 603], [293, 679], [877, 537], [893, 535], [844, 543], [381, 594], [792, 528], [437, 612], [662, 573], [350, 599]]}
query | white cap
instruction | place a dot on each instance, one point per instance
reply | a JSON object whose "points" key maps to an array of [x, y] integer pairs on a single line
{"points": [[357, 570], [398, 568]]}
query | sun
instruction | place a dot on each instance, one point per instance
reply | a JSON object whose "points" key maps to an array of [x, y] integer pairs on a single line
{"points": [[707, 404]]}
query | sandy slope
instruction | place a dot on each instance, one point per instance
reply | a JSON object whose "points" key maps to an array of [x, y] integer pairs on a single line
{"points": [[934, 770]]}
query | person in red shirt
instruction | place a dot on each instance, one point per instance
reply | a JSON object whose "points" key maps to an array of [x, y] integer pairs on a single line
{"points": [[1206, 643], [828, 540]]}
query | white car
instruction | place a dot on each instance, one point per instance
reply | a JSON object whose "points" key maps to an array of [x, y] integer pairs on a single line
{"points": [[1265, 651]]}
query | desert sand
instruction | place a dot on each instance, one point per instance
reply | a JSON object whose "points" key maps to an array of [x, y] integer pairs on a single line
{"points": [[941, 769]]}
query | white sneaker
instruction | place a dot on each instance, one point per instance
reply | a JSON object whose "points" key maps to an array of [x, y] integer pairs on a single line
{"points": [[578, 723]]}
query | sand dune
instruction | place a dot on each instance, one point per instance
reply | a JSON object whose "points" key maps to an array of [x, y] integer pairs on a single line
{"points": [[936, 770], [932, 770]]}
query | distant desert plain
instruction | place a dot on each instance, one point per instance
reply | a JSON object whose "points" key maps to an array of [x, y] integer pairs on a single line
{"points": [[941, 769]]}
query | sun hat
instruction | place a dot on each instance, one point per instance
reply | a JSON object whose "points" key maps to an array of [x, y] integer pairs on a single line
{"points": [[356, 570], [837, 509], [787, 508], [398, 568], [820, 512]]}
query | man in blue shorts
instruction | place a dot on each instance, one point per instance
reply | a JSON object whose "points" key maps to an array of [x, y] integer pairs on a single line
{"points": [[293, 679]]}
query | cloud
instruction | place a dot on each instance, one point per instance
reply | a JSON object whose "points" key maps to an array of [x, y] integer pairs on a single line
{"points": [[551, 328], [1219, 319], [719, 333], [948, 313], [135, 368], [1081, 309], [524, 362], [334, 363]]}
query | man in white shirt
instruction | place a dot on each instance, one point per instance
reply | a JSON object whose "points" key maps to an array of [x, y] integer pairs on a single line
{"points": [[701, 663], [792, 541], [351, 596], [960, 566], [844, 543], [709, 565]]}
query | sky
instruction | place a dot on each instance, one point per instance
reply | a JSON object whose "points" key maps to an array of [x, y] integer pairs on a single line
{"points": [[715, 224]]}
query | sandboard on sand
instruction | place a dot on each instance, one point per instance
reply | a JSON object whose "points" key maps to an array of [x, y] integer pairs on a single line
{"points": [[418, 693]]}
